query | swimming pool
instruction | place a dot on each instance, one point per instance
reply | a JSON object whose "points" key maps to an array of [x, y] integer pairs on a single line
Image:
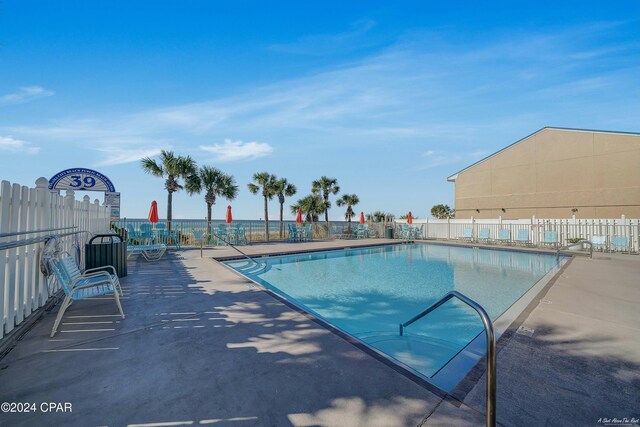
{"points": [[368, 292]]}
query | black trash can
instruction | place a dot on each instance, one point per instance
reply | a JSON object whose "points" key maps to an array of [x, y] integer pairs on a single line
{"points": [[388, 233], [106, 249]]}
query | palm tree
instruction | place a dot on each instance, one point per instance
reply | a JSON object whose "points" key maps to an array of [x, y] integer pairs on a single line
{"points": [[216, 184], [326, 186], [349, 200], [312, 205], [266, 182], [283, 188], [172, 168]]}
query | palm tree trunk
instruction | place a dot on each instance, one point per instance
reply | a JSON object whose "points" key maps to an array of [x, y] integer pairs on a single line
{"points": [[281, 223], [208, 219], [169, 204], [266, 219]]}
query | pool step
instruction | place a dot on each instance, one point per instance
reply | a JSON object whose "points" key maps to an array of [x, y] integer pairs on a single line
{"points": [[425, 354]]}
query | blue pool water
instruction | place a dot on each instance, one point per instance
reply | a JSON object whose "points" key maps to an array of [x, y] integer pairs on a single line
{"points": [[368, 292]]}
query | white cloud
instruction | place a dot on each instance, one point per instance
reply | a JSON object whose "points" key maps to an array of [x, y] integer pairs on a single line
{"points": [[118, 154], [25, 94], [11, 144], [238, 150]]}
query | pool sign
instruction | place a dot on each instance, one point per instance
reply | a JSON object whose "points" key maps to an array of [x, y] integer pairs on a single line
{"points": [[80, 179]]}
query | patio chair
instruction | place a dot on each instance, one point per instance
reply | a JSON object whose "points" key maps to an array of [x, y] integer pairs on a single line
{"points": [[599, 242], [467, 234], [485, 235], [240, 235], [404, 231], [550, 238], [294, 233], [81, 288], [619, 243], [145, 235], [305, 234], [504, 235], [169, 238], [417, 232], [361, 232], [221, 234], [522, 237]]}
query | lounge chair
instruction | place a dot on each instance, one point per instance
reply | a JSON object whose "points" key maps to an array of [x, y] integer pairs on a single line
{"points": [[81, 287], [151, 252], [522, 237], [467, 234], [550, 238], [169, 238], [74, 272], [504, 235], [362, 232], [485, 235], [336, 233], [619, 243], [599, 242], [145, 235]]}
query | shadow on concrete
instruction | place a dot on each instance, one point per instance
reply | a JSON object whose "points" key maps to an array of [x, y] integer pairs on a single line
{"points": [[196, 350]]}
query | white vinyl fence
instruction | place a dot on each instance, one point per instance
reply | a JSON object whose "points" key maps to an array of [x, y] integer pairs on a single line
{"points": [[570, 228], [24, 212]]}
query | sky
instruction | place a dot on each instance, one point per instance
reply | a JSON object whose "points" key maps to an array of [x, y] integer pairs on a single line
{"points": [[390, 98]]}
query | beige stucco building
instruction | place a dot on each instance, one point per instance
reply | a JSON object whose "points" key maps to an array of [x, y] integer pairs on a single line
{"points": [[554, 173]]}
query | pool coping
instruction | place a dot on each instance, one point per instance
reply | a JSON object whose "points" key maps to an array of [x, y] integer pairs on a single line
{"points": [[470, 379]]}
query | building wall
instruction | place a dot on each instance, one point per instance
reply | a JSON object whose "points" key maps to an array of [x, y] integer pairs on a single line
{"points": [[552, 172]]}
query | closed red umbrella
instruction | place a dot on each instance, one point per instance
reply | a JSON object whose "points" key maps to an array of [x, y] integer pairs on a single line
{"points": [[299, 217], [361, 217], [153, 212], [409, 219], [229, 217]]}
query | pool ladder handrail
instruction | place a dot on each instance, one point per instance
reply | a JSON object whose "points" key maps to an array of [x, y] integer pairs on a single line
{"points": [[581, 241], [491, 346], [262, 265]]}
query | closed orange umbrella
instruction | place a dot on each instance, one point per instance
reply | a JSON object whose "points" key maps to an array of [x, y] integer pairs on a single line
{"points": [[229, 217], [409, 219], [153, 212], [361, 217], [299, 217]]}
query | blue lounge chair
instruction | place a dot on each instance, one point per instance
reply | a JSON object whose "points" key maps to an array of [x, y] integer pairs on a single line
{"points": [[361, 232], [485, 235], [550, 238], [619, 243], [504, 235], [522, 237], [417, 232], [467, 234], [599, 242], [81, 287]]}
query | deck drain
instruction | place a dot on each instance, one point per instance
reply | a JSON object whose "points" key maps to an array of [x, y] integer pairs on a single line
{"points": [[523, 330], [545, 301]]}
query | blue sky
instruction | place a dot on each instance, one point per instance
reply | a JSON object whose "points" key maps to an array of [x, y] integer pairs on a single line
{"points": [[388, 97]]}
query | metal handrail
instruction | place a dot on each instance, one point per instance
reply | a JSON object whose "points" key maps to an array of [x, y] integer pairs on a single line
{"points": [[20, 233], [491, 346], [34, 240], [239, 251], [566, 247]]}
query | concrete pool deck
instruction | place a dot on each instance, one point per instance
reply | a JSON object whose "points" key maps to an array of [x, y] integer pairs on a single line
{"points": [[199, 346]]}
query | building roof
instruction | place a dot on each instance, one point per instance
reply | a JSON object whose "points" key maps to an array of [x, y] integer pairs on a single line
{"points": [[453, 177]]}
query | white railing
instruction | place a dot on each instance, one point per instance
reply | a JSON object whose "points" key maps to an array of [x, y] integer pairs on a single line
{"points": [[568, 228], [24, 211]]}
